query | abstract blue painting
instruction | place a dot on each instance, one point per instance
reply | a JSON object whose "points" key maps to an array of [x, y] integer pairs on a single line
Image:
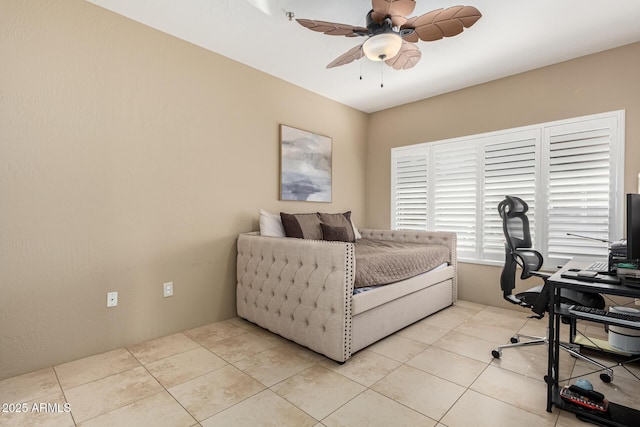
{"points": [[305, 165]]}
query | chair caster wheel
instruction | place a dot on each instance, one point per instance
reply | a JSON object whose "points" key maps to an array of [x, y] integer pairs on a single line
{"points": [[606, 378], [515, 340], [496, 354]]}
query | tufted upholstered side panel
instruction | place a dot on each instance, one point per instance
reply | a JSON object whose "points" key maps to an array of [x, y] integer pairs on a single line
{"points": [[427, 237], [299, 289]]}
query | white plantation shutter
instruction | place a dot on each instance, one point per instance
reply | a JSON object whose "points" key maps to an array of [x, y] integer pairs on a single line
{"points": [[509, 169], [569, 172], [409, 189], [455, 193], [579, 197]]}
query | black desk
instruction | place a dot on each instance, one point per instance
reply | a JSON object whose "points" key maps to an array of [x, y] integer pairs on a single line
{"points": [[618, 415]]}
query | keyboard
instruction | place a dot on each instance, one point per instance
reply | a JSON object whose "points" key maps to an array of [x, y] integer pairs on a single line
{"points": [[599, 266], [618, 319]]}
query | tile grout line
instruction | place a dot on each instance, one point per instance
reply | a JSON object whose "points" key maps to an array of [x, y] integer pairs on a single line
{"points": [[228, 363], [73, 418], [140, 364], [503, 401], [165, 389]]}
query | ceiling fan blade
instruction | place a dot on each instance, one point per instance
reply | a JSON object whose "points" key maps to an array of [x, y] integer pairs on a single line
{"points": [[408, 56], [412, 37], [441, 23], [396, 9], [333, 29], [347, 57]]}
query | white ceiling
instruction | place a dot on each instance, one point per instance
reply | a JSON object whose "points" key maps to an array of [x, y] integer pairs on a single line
{"points": [[513, 36]]}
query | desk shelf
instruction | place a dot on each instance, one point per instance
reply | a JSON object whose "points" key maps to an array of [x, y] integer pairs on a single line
{"points": [[617, 416], [596, 344]]}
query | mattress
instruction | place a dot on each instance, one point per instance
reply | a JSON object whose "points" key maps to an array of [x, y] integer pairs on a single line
{"points": [[369, 288], [382, 262]]}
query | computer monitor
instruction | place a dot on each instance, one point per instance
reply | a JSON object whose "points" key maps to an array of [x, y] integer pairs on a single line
{"points": [[633, 226]]}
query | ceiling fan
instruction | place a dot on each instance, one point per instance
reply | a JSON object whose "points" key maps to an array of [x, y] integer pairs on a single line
{"points": [[391, 36]]}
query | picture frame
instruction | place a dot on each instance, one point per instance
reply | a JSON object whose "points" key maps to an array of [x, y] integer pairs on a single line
{"points": [[305, 165]]}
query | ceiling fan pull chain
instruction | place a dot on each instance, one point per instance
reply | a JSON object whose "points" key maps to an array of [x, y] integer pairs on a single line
{"points": [[381, 73]]}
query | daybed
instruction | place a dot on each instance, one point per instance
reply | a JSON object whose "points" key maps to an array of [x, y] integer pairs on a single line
{"points": [[302, 289]]}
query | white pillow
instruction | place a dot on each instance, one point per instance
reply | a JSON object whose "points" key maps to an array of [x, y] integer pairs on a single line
{"points": [[355, 231], [271, 224]]}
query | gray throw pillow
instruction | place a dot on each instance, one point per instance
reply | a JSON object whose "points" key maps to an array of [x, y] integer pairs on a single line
{"points": [[339, 220], [302, 226], [334, 234]]}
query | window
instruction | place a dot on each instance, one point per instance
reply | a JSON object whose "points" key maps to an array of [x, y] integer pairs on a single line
{"points": [[569, 172]]}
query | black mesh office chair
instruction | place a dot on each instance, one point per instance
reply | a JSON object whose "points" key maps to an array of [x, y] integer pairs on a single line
{"points": [[519, 253]]}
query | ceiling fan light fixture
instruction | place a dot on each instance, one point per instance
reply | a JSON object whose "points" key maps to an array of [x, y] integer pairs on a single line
{"points": [[382, 46]]}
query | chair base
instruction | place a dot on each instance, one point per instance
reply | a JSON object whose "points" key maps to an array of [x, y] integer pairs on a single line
{"points": [[515, 342], [572, 349]]}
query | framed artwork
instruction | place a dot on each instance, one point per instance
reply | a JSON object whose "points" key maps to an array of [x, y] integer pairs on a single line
{"points": [[305, 165]]}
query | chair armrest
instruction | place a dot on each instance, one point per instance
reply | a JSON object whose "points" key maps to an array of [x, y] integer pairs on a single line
{"points": [[545, 276], [530, 261]]}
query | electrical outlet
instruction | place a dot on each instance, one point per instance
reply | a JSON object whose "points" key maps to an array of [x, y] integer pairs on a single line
{"points": [[112, 299], [168, 289]]}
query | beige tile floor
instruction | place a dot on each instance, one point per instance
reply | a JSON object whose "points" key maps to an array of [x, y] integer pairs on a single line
{"points": [[437, 372]]}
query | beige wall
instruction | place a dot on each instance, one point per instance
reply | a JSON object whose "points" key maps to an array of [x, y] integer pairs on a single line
{"points": [[597, 83], [129, 158]]}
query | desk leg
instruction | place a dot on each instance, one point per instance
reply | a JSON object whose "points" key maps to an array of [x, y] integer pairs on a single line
{"points": [[553, 346]]}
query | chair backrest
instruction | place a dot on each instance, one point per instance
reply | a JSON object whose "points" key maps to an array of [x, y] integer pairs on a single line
{"points": [[515, 223], [518, 251]]}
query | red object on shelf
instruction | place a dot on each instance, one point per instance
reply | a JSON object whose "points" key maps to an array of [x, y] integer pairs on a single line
{"points": [[570, 396]]}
